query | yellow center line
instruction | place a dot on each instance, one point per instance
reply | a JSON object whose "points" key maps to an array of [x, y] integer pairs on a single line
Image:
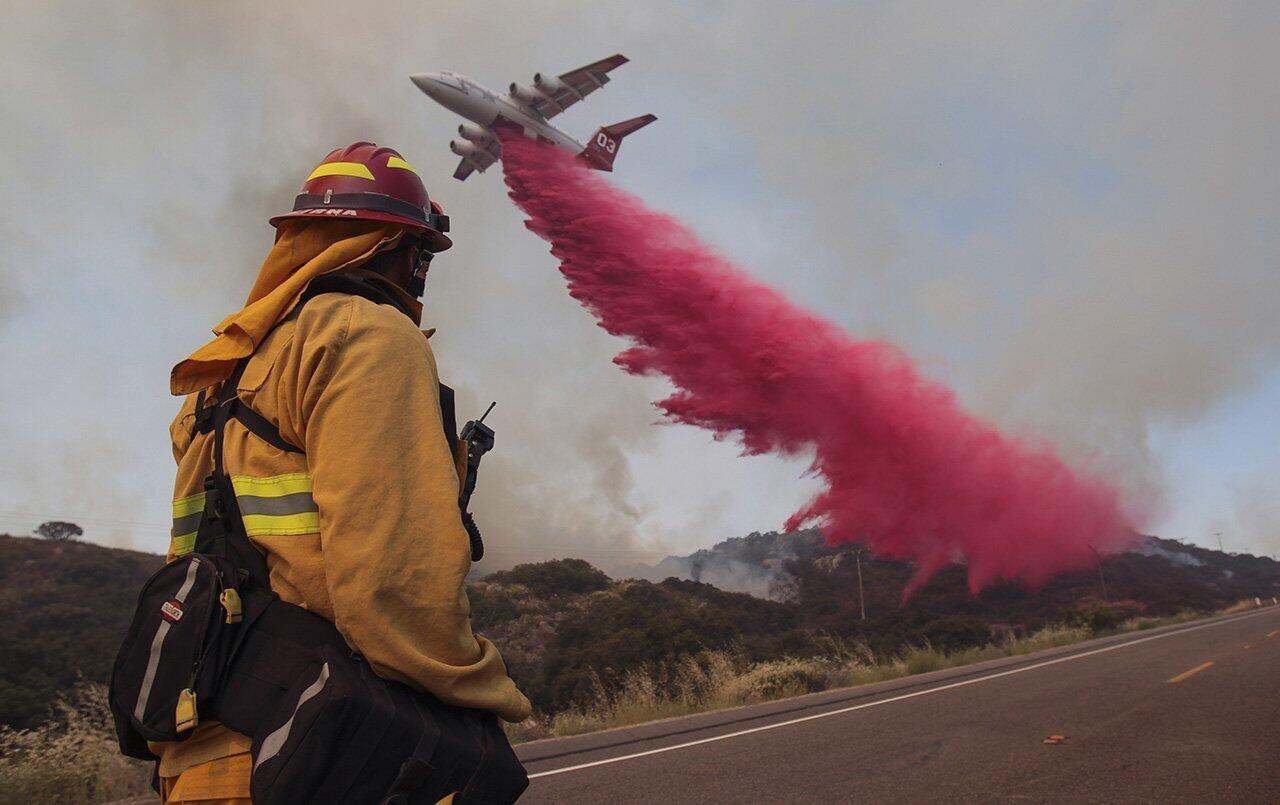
{"points": [[1192, 672], [1273, 632]]}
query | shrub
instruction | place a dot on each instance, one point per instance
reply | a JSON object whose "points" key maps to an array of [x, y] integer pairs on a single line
{"points": [[1050, 637], [922, 660], [557, 577], [774, 680], [955, 633], [1096, 619], [491, 607]]}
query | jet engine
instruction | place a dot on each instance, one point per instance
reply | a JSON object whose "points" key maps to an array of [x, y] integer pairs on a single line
{"points": [[463, 148], [474, 133], [548, 83], [526, 94]]}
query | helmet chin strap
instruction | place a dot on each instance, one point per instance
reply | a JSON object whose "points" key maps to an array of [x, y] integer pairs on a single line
{"points": [[418, 281], [418, 285]]}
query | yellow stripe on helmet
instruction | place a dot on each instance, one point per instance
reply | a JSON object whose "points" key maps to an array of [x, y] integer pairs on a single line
{"points": [[397, 162], [356, 169]]}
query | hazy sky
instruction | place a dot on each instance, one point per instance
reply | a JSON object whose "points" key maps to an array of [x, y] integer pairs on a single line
{"points": [[1068, 212]]}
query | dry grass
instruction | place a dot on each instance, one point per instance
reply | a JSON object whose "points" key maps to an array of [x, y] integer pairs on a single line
{"points": [[720, 679], [71, 759], [649, 693], [1243, 605], [1140, 623]]}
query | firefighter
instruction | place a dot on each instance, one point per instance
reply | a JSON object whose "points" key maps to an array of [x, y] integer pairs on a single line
{"points": [[360, 521]]}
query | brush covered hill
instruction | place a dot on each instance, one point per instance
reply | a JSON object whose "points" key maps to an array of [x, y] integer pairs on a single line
{"points": [[1159, 577], [64, 606], [568, 631]]}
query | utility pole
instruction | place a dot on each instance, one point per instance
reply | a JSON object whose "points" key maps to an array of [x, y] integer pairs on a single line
{"points": [[1218, 534], [862, 601], [1101, 576]]}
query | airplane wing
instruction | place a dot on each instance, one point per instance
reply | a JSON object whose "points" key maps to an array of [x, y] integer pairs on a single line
{"points": [[478, 161], [558, 94]]}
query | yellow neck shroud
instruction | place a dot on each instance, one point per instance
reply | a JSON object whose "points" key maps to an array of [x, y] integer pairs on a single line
{"points": [[303, 250]]}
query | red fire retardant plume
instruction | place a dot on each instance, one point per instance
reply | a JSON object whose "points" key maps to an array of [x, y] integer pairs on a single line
{"points": [[907, 471]]}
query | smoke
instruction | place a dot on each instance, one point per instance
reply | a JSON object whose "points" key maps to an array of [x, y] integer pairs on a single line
{"points": [[1074, 209], [755, 564], [726, 573], [1153, 548], [10, 295], [1067, 212], [559, 483], [153, 147], [906, 470], [1256, 518]]}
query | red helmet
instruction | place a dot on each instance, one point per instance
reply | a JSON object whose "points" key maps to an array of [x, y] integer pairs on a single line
{"points": [[363, 182]]}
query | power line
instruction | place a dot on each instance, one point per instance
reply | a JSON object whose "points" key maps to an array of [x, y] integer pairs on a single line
{"points": [[34, 519]]}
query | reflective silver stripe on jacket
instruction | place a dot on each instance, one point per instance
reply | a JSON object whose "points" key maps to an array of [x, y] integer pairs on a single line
{"points": [[297, 503], [157, 644], [273, 743], [186, 524]]}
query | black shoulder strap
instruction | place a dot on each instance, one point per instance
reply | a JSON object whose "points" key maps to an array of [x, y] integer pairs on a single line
{"points": [[221, 530], [231, 406], [449, 415]]}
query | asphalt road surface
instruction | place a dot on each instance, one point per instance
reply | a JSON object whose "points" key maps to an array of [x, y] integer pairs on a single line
{"points": [[1187, 713]]}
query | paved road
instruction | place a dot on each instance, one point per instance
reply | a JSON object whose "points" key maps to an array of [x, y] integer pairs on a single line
{"points": [[1189, 713]]}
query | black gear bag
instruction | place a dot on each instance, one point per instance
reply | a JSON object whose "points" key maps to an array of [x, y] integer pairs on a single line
{"points": [[210, 641]]}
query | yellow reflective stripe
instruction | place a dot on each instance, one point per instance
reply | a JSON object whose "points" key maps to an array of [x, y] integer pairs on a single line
{"points": [[273, 487], [341, 169], [257, 525], [185, 544], [188, 505], [276, 505], [186, 517], [291, 490], [397, 162]]}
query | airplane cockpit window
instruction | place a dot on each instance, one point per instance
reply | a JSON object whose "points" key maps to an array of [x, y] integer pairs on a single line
{"points": [[454, 81]]}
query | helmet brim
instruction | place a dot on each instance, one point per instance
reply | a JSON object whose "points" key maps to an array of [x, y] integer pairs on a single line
{"points": [[435, 241]]}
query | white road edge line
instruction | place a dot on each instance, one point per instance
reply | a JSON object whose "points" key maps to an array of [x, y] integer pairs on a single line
{"points": [[891, 699]]}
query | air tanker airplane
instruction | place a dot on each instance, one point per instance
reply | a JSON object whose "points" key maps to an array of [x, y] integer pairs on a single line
{"points": [[529, 108]]}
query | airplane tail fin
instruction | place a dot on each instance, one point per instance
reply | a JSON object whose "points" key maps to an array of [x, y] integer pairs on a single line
{"points": [[604, 144]]}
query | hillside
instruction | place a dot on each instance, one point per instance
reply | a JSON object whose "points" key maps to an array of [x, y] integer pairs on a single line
{"points": [[563, 624], [64, 606], [1160, 577], [568, 631]]}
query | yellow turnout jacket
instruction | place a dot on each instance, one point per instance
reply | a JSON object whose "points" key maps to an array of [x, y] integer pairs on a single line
{"points": [[364, 527]]}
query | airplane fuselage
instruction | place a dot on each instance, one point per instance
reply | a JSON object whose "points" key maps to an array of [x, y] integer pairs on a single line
{"points": [[489, 109], [528, 110]]}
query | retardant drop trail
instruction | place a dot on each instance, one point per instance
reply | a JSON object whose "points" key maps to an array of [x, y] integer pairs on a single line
{"points": [[907, 471]]}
